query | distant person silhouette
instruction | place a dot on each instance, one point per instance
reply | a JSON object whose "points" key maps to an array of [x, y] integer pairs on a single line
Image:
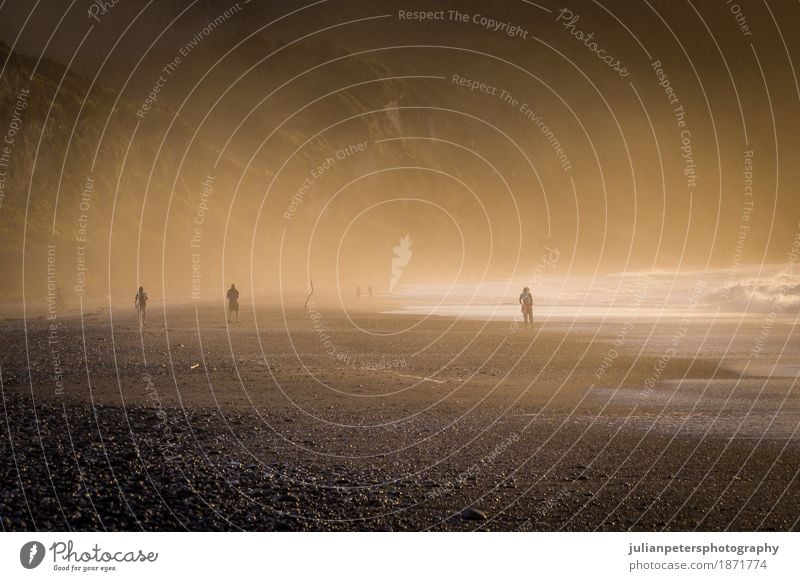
{"points": [[526, 300], [233, 303], [369, 291], [140, 302]]}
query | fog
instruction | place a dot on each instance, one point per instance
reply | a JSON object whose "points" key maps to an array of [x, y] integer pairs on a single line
{"points": [[189, 146]]}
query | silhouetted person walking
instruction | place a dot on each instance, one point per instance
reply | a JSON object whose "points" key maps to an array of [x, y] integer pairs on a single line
{"points": [[233, 302], [140, 302], [369, 291], [526, 300]]}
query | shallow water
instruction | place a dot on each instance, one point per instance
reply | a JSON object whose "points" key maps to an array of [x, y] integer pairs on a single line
{"points": [[755, 409], [562, 313]]}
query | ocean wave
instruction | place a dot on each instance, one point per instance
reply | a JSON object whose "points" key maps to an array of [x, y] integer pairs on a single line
{"points": [[777, 292]]}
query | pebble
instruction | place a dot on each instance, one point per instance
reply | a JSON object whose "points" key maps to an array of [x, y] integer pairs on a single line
{"points": [[473, 514]]}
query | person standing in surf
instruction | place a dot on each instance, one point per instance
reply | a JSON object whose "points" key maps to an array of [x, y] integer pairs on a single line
{"points": [[140, 302], [526, 300], [233, 302]]}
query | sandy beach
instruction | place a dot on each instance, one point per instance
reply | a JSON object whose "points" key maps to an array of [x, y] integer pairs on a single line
{"points": [[357, 420]]}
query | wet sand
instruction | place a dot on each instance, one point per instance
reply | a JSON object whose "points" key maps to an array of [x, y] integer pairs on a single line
{"points": [[387, 422]]}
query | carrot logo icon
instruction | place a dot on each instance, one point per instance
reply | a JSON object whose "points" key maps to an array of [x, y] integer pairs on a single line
{"points": [[31, 555], [402, 255]]}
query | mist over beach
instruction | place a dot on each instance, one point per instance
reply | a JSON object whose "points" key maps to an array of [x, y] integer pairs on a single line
{"points": [[341, 266]]}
